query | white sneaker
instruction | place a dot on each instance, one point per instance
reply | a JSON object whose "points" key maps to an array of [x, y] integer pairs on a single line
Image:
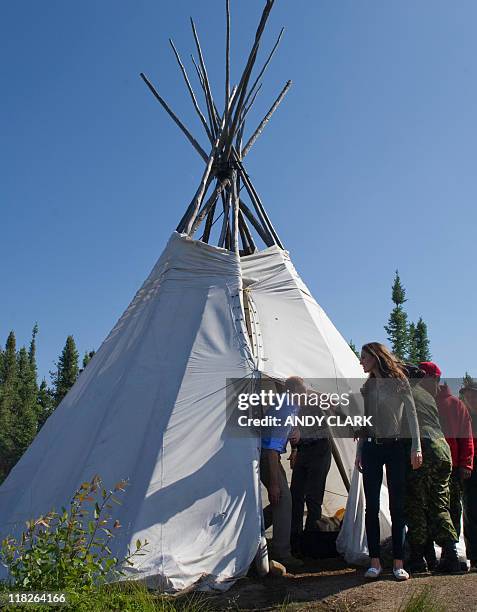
{"points": [[373, 572], [400, 574]]}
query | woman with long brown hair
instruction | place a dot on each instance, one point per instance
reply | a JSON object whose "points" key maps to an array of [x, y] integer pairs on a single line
{"points": [[388, 401]]}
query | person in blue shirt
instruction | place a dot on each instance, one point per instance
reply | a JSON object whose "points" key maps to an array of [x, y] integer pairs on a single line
{"points": [[274, 442]]}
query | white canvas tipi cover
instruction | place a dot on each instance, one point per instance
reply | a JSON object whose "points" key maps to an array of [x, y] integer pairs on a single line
{"points": [[150, 407]]}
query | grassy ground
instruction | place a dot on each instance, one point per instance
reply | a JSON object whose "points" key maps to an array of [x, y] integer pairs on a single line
{"points": [[327, 586], [131, 597]]}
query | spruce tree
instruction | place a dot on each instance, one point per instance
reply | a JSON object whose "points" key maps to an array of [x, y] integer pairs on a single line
{"points": [[2, 357], [46, 403], [32, 350], [25, 417], [354, 348], [422, 342], [397, 323], [466, 380], [412, 352], [87, 358], [67, 370], [9, 399], [9, 363], [33, 366]]}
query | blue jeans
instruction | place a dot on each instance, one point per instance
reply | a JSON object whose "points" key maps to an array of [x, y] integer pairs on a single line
{"points": [[374, 457]]}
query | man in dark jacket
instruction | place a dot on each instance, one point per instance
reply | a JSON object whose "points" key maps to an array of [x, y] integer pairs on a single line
{"points": [[469, 393]]}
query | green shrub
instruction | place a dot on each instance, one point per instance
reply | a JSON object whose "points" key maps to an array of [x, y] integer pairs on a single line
{"points": [[69, 551]]}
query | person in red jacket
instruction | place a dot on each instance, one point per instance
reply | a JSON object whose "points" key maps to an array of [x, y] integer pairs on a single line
{"points": [[457, 428], [469, 392]]}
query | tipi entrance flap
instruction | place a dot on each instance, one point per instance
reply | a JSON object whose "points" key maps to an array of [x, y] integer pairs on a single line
{"points": [[297, 338]]}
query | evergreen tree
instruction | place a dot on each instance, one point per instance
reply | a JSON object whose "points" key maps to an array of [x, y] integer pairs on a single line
{"points": [[466, 380], [87, 358], [33, 366], [32, 350], [412, 351], [397, 323], [2, 357], [9, 363], [422, 342], [354, 348], [25, 417], [46, 403], [9, 399], [67, 370]]}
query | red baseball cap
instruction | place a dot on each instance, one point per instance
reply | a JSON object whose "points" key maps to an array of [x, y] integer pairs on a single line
{"points": [[430, 368]]}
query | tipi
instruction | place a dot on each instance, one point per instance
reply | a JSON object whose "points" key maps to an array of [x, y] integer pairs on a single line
{"points": [[150, 406]]}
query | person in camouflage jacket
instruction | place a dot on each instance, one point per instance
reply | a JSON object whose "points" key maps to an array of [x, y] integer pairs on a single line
{"points": [[427, 496]]}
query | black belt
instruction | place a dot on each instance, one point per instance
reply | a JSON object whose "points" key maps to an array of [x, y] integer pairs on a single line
{"points": [[380, 441]]}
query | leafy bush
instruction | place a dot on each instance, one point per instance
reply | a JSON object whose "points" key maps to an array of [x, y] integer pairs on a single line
{"points": [[69, 551]]}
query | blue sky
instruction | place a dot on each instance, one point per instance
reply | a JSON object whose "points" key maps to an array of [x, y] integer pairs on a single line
{"points": [[368, 165]]}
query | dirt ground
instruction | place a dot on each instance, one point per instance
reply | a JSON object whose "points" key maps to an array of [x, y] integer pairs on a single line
{"points": [[333, 587]]}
